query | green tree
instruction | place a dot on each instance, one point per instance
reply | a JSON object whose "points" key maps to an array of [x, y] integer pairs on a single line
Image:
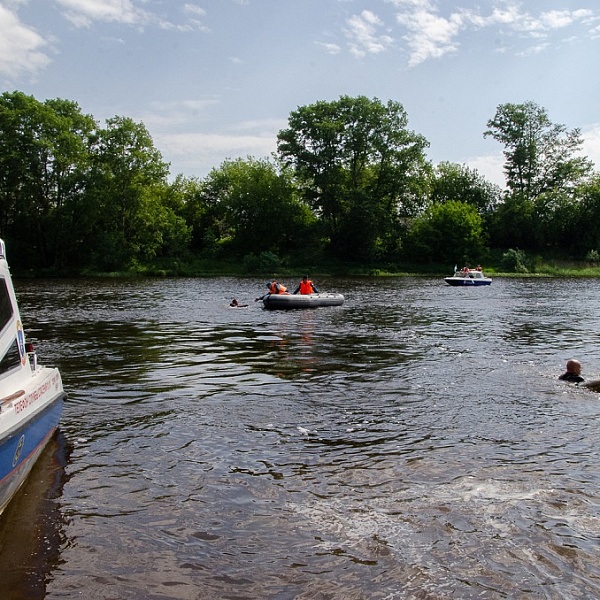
{"points": [[451, 181], [512, 224], [199, 213], [555, 221], [126, 185], [44, 158], [359, 167], [451, 232], [258, 207], [586, 229], [540, 156]]}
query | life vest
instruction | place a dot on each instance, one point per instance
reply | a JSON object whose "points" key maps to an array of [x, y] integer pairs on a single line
{"points": [[277, 288], [306, 287]]}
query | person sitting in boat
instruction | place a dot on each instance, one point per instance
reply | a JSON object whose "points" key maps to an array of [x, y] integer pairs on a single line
{"points": [[573, 372], [465, 271], [306, 286]]}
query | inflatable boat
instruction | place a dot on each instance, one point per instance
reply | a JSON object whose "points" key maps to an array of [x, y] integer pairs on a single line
{"points": [[290, 301]]}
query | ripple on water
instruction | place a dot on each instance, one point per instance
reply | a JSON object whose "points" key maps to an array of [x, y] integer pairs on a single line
{"points": [[413, 443]]}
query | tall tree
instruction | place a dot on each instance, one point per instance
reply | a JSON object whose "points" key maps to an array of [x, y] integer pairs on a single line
{"points": [[127, 185], [512, 224], [44, 155], [258, 205], [451, 181], [451, 232], [587, 226], [540, 156], [360, 168]]}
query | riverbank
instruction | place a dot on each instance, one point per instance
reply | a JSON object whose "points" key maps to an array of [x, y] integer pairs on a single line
{"points": [[202, 267]]}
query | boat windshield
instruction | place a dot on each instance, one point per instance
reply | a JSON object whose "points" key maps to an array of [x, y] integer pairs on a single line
{"points": [[473, 274]]}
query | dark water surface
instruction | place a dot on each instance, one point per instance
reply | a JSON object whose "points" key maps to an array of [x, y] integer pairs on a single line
{"points": [[414, 443]]}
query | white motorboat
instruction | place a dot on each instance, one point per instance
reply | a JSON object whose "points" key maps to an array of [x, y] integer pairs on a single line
{"points": [[468, 277], [31, 395]]}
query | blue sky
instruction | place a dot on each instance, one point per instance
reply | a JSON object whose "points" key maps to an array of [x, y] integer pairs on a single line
{"points": [[217, 79]]}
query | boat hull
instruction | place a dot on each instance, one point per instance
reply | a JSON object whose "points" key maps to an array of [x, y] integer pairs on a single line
{"points": [[295, 301], [467, 281], [31, 395], [21, 446]]}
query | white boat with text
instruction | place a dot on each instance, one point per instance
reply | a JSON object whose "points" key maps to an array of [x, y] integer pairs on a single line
{"points": [[31, 395], [468, 277]]}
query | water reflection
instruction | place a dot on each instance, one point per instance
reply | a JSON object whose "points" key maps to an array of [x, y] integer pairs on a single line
{"points": [[32, 528]]}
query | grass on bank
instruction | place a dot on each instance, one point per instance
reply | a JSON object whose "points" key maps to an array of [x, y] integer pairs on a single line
{"points": [[498, 263], [202, 267]]}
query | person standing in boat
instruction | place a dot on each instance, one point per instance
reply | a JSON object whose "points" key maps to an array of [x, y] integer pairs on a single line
{"points": [[306, 286]]}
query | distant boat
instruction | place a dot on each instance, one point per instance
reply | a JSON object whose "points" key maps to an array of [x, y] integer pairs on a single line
{"points": [[291, 301], [31, 396], [468, 277]]}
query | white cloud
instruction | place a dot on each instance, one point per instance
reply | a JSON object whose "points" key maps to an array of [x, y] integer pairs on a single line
{"points": [[263, 127], [21, 47], [430, 35], [179, 130], [555, 19], [499, 16], [195, 23], [329, 47], [491, 166], [538, 49], [82, 13], [194, 9], [591, 143], [361, 30], [198, 153], [177, 113]]}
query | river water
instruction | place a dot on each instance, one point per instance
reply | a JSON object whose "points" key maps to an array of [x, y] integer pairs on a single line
{"points": [[413, 443]]}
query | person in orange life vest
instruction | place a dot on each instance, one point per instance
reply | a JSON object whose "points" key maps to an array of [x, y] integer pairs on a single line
{"points": [[306, 286], [276, 288]]}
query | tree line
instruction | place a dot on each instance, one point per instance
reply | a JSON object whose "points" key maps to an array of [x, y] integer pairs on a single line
{"points": [[349, 181]]}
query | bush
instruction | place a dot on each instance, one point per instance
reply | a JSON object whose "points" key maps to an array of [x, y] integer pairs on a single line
{"points": [[265, 262], [513, 261], [593, 256]]}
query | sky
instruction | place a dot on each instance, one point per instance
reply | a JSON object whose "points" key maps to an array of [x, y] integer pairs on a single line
{"points": [[217, 79]]}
